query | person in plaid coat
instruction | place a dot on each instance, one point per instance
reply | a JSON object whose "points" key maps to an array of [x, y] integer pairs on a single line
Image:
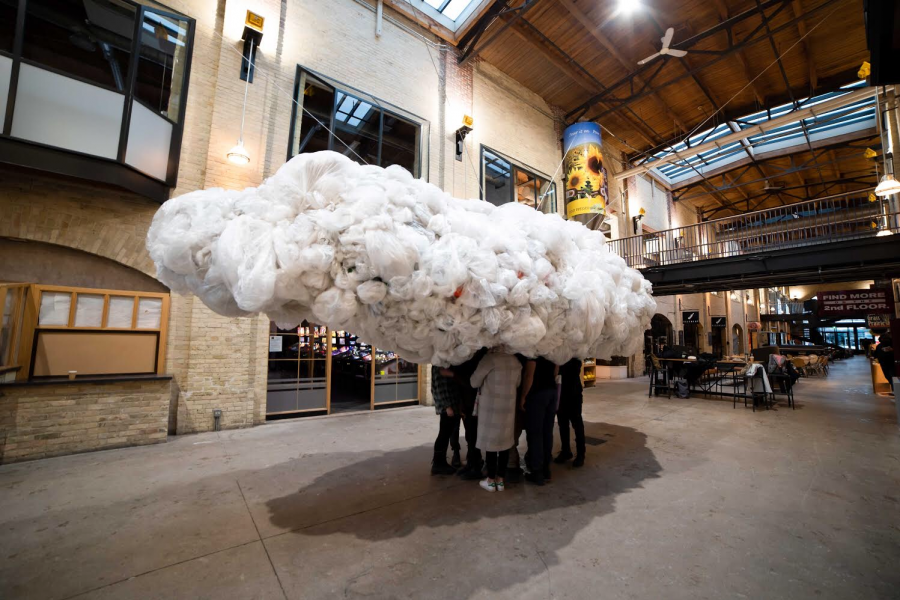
{"points": [[447, 394], [498, 376]]}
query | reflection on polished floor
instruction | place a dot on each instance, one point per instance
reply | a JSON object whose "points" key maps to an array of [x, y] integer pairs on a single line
{"points": [[685, 499]]}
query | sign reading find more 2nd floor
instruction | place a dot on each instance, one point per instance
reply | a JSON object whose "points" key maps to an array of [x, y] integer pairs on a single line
{"points": [[856, 303]]}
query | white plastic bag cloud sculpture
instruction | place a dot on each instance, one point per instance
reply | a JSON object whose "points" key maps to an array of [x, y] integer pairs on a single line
{"points": [[401, 264]]}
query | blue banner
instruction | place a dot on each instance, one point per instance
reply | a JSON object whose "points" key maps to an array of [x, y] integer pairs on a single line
{"points": [[581, 133]]}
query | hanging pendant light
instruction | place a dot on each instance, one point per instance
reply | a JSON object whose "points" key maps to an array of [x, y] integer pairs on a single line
{"points": [[888, 186], [238, 154]]}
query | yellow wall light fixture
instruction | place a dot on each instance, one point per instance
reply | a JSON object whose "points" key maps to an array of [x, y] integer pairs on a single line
{"points": [[864, 70]]}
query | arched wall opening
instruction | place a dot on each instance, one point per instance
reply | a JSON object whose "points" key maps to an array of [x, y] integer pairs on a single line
{"points": [[737, 339], [24, 261]]}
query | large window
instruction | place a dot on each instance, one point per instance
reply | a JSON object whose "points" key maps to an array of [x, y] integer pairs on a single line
{"points": [[361, 127], [90, 40], [99, 78], [505, 181], [160, 68]]}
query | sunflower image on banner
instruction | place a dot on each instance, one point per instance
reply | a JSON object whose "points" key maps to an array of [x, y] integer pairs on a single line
{"points": [[586, 186]]}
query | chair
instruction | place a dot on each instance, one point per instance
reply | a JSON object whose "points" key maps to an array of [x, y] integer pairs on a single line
{"points": [[764, 396], [800, 365], [659, 377], [815, 365]]}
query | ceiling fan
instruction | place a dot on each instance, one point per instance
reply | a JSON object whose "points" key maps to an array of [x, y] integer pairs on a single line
{"points": [[665, 50]]}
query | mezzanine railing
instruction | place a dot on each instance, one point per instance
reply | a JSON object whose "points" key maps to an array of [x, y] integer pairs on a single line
{"points": [[833, 219]]}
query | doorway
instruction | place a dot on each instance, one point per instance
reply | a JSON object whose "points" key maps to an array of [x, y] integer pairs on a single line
{"points": [[351, 367], [737, 340], [693, 337], [719, 341]]}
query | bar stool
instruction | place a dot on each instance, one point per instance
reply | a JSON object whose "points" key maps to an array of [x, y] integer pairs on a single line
{"points": [[659, 378]]}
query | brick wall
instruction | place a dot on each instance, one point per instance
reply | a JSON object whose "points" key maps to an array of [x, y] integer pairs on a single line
{"points": [[40, 421]]}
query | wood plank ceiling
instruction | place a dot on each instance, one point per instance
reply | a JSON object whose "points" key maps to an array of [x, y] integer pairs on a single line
{"points": [[743, 56]]}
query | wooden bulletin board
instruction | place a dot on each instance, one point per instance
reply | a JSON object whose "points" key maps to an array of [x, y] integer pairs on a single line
{"points": [[94, 353]]}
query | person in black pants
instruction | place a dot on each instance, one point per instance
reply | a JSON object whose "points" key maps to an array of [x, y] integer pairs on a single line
{"points": [[462, 374], [570, 403], [447, 396], [538, 400]]}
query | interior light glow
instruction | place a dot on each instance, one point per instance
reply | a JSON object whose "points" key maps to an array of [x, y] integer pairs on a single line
{"points": [[238, 155], [888, 186], [628, 7]]}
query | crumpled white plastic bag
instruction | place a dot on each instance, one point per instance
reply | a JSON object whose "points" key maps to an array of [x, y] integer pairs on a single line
{"points": [[402, 264]]}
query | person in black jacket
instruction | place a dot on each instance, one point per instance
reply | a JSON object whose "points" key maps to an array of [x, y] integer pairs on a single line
{"points": [[570, 403], [884, 354]]}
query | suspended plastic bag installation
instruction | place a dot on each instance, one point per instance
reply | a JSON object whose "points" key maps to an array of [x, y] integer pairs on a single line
{"points": [[402, 264]]}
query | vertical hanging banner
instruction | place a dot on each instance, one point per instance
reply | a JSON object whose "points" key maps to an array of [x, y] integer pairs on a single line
{"points": [[586, 186]]}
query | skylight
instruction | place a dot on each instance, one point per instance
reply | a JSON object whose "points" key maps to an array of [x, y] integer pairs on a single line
{"points": [[846, 119], [450, 13]]}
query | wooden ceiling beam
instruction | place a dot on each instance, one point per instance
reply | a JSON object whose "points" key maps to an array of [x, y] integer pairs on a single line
{"points": [[741, 57], [828, 84], [689, 70], [805, 44], [569, 67], [782, 171], [714, 193], [594, 30]]}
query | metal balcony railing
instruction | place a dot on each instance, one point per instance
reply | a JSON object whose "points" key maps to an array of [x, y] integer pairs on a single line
{"points": [[837, 218]]}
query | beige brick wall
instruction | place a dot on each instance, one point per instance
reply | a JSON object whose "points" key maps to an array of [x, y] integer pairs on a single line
{"points": [[40, 421]]}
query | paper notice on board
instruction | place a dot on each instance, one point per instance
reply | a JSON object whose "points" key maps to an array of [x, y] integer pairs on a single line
{"points": [[275, 343]]}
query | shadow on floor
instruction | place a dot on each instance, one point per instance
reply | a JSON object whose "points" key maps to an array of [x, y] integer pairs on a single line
{"points": [[481, 530]]}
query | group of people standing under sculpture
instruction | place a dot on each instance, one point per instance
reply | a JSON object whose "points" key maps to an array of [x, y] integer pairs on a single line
{"points": [[496, 396]]}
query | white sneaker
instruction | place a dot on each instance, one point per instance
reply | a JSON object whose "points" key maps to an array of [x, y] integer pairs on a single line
{"points": [[500, 486], [488, 486]]}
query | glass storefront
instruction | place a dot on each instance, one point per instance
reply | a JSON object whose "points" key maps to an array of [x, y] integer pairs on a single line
{"points": [[846, 334], [313, 369]]}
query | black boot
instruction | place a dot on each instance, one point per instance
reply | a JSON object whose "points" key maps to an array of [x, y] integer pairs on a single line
{"points": [[456, 461], [562, 457], [534, 478], [472, 471], [514, 475], [439, 466], [579, 461]]}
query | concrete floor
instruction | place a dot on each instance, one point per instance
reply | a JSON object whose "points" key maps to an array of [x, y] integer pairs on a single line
{"points": [[685, 499]]}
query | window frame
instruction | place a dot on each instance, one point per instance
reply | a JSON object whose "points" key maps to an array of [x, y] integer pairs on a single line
{"points": [[422, 125], [514, 166], [67, 161]]}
